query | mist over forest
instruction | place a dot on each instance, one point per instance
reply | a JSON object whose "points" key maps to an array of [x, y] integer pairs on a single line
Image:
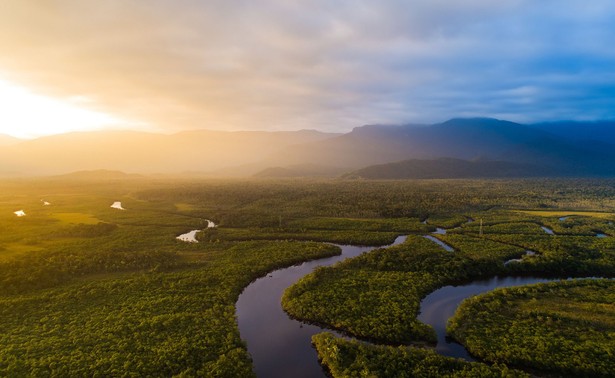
{"points": [[485, 147]]}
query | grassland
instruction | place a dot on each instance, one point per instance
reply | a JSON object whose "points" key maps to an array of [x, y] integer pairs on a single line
{"points": [[545, 213], [90, 290]]}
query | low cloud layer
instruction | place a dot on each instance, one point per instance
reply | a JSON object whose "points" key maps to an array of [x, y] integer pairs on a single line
{"points": [[329, 65]]}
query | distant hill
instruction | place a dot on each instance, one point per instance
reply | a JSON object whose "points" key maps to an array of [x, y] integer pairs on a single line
{"points": [[7, 140], [466, 139], [307, 170], [448, 168], [584, 132], [132, 151], [99, 174], [556, 149]]}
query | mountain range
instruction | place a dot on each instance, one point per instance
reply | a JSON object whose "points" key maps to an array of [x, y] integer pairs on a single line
{"points": [[461, 147]]}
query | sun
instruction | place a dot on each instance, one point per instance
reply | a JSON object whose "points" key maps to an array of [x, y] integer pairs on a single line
{"points": [[29, 115]]}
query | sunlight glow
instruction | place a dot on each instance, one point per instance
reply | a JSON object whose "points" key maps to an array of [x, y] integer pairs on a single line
{"points": [[28, 115]]}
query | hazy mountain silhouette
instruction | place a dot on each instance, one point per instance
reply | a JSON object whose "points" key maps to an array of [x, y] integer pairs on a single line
{"points": [[558, 149], [448, 168], [141, 152], [98, 174], [467, 139], [591, 131], [7, 140], [301, 170]]}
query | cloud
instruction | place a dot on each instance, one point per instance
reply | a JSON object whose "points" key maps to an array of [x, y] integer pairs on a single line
{"points": [[319, 64]]}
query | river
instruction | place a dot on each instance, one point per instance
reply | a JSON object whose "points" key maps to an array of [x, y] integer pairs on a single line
{"points": [[440, 305], [281, 346]]}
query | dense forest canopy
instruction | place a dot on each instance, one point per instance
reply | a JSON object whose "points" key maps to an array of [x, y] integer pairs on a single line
{"points": [[90, 289]]}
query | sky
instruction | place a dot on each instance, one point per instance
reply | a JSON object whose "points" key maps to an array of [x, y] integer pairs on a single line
{"points": [[331, 65]]}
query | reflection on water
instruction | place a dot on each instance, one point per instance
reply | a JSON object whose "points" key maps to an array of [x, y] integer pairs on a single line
{"points": [[439, 306], [189, 237], [439, 242], [117, 205], [547, 230], [527, 253], [280, 346]]}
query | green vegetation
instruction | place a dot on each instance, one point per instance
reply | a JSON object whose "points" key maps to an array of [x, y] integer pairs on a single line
{"points": [[564, 213], [567, 328], [159, 324], [77, 218], [354, 359], [377, 295], [90, 290], [268, 233]]}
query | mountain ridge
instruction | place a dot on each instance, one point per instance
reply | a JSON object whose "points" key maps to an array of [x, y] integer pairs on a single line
{"points": [[443, 168], [7, 140], [577, 148]]}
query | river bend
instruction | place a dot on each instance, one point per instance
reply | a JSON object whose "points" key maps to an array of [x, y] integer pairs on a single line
{"points": [[281, 346]]}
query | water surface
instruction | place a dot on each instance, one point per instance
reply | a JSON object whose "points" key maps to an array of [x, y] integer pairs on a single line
{"points": [[117, 205], [547, 230], [527, 253], [281, 346], [439, 306], [189, 237], [439, 242]]}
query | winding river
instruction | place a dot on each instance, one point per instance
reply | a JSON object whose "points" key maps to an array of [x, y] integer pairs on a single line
{"points": [[440, 305], [281, 346]]}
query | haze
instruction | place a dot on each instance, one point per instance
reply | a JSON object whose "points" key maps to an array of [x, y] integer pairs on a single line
{"points": [[167, 66]]}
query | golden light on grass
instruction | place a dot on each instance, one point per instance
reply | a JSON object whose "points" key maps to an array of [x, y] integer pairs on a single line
{"points": [[563, 213], [76, 218]]}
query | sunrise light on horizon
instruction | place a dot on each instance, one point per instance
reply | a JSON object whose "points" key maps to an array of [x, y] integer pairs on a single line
{"points": [[326, 65], [281, 188], [28, 115]]}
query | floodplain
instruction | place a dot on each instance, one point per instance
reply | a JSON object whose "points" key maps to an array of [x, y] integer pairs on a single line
{"points": [[87, 289]]}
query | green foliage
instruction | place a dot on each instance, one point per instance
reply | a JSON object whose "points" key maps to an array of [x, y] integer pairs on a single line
{"points": [[345, 358], [377, 295], [563, 255], [405, 225], [87, 230], [153, 324], [564, 327], [90, 290], [448, 220], [372, 305], [352, 237], [260, 203]]}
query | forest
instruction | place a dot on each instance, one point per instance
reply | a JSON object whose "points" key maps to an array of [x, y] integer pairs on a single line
{"points": [[565, 327], [86, 289]]}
